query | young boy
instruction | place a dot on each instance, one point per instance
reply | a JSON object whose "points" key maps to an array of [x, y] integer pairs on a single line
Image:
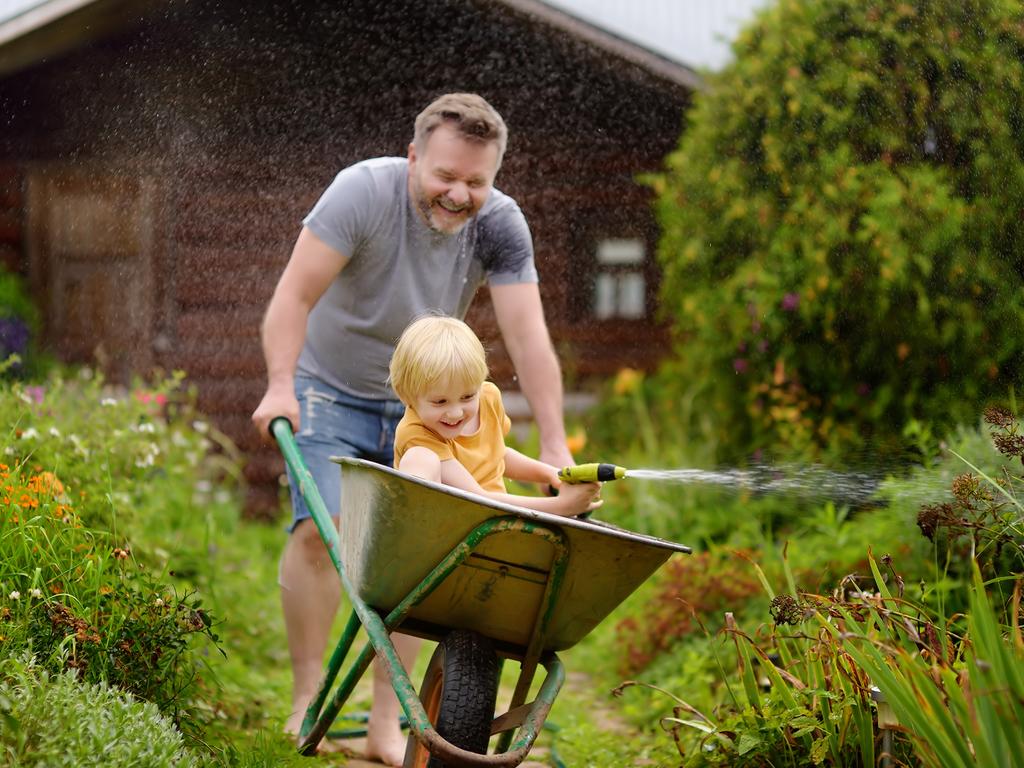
{"points": [[454, 427], [453, 432]]}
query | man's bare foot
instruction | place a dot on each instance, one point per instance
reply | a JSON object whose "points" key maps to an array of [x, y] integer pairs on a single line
{"points": [[294, 722], [385, 742]]}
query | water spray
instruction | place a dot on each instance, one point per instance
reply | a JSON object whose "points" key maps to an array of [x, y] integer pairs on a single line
{"points": [[591, 473]]}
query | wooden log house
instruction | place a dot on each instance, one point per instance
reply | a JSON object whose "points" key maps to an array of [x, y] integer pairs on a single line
{"points": [[157, 157]]}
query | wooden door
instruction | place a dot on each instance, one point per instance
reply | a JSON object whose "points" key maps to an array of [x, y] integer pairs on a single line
{"points": [[92, 253]]}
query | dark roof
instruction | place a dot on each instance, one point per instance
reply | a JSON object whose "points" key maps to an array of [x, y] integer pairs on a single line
{"points": [[52, 27]]}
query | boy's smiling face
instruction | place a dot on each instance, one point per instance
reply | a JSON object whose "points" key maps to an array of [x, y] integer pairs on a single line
{"points": [[450, 408]]}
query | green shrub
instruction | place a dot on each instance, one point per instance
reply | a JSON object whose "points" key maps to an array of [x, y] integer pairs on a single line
{"points": [[52, 721], [841, 225]]}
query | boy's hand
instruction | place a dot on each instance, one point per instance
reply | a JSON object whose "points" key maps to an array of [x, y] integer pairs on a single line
{"points": [[551, 482], [577, 498], [555, 460]]}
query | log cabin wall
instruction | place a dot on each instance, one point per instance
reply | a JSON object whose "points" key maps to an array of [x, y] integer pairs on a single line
{"points": [[167, 168], [12, 210]]}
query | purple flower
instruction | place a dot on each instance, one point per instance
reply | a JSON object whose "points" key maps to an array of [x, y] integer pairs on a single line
{"points": [[36, 393], [13, 337], [740, 365], [790, 302], [762, 345]]}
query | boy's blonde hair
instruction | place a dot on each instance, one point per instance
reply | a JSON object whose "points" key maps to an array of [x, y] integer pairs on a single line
{"points": [[433, 349]]}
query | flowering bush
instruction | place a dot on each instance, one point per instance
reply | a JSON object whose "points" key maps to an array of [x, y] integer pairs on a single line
{"points": [[841, 222], [691, 595], [78, 463]]}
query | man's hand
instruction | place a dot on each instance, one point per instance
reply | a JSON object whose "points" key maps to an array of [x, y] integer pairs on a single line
{"points": [[278, 401]]}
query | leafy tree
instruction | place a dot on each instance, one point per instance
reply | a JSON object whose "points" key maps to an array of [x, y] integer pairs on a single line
{"points": [[843, 221]]}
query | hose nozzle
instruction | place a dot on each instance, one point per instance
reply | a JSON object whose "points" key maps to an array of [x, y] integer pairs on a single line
{"points": [[591, 473]]}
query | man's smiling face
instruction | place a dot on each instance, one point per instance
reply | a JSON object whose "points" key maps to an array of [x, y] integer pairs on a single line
{"points": [[449, 182]]}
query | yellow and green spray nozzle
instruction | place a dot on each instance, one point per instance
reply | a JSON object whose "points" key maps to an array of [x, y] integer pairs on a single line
{"points": [[591, 473]]}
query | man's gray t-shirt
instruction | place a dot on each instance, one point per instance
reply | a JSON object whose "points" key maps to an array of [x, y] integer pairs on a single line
{"points": [[398, 268]]}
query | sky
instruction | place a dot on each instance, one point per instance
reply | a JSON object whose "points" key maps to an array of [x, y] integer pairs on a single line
{"points": [[693, 32]]}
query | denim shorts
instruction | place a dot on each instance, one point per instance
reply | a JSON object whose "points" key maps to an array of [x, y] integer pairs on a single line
{"points": [[335, 423]]}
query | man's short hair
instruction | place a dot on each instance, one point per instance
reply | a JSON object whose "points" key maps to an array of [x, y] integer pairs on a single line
{"points": [[435, 349], [469, 114]]}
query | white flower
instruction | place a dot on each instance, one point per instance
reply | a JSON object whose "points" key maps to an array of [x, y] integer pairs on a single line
{"points": [[158, 602], [15, 595], [9, 450], [79, 445], [106, 402], [30, 434], [201, 427], [54, 432], [35, 592], [148, 427]]}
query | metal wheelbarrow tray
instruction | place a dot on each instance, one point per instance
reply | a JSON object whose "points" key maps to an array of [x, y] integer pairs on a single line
{"points": [[429, 559]]}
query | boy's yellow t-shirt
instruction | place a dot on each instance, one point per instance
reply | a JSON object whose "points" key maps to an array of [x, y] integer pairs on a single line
{"points": [[482, 453]]}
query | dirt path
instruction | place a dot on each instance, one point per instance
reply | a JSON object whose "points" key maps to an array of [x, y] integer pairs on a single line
{"points": [[579, 686]]}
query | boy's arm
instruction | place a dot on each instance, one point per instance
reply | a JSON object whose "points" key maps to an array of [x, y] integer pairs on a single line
{"points": [[421, 462], [571, 499], [527, 470]]}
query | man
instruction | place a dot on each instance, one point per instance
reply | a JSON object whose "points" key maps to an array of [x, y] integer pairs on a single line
{"points": [[390, 239]]}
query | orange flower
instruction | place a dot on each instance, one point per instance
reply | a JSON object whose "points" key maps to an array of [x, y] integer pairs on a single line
{"points": [[627, 380], [576, 442]]}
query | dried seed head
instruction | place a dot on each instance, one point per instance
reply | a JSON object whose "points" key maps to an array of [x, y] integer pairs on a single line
{"points": [[998, 416], [932, 516], [786, 609], [966, 486], [1009, 445]]}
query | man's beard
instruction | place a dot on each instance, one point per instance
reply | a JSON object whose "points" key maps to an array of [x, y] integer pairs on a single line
{"points": [[426, 208]]}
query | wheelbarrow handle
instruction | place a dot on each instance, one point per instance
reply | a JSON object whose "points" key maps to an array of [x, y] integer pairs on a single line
{"points": [[281, 429]]}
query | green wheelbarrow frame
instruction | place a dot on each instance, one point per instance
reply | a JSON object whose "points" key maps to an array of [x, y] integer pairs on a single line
{"points": [[394, 606]]}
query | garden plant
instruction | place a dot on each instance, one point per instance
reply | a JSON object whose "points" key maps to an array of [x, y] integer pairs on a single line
{"points": [[840, 226]]}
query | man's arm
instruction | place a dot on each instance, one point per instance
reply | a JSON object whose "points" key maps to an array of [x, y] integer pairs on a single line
{"points": [[311, 269], [521, 319]]}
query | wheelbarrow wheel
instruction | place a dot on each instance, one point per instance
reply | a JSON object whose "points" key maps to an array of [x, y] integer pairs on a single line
{"points": [[458, 692]]}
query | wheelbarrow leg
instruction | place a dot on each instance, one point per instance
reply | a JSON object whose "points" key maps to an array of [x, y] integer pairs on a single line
{"points": [[556, 576]]}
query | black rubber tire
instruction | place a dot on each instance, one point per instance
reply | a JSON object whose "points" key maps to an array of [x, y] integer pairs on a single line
{"points": [[461, 685]]}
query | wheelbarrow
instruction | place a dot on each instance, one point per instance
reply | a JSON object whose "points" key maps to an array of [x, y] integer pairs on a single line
{"points": [[486, 580]]}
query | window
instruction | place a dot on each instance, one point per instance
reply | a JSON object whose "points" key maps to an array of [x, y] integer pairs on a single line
{"points": [[620, 289]]}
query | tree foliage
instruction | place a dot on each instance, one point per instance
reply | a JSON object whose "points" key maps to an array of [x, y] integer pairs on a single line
{"points": [[842, 222]]}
